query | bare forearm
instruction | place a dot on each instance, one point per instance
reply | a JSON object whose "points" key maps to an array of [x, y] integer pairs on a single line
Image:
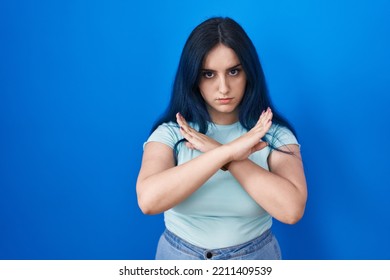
{"points": [[277, 195], [164, 190]]}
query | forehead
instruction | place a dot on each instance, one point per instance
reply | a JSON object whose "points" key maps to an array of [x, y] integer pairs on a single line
{"points": [[220, 58]]}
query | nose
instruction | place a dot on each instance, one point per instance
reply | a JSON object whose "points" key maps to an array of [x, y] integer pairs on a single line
{"points": [[223, 86]]}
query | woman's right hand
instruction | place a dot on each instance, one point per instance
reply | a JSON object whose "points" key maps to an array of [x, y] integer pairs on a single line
{"points": [[195, 140], [250, 142]]}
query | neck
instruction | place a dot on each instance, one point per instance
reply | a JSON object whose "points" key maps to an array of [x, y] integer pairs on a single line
{"points": [[225, 119]]}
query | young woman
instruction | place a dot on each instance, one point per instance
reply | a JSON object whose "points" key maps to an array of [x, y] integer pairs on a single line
{"points": [[221, 162]]}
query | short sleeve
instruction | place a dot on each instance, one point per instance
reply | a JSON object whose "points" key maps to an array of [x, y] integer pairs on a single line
{"points": [[280, 135], [166, 133]]}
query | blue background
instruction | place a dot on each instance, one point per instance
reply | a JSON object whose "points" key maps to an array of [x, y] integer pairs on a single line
{"points": [[81, 83]]}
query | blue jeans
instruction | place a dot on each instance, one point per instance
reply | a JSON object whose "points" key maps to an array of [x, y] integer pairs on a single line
{"points": [[264, 247]]}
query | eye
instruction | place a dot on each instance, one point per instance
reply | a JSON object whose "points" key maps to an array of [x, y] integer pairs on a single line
{"points": [[234, 72], [207, 74]]}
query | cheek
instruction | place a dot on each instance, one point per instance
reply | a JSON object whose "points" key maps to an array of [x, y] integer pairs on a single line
{"points": [[202, 93], [240, 84], [205, 89], [240, 89]]}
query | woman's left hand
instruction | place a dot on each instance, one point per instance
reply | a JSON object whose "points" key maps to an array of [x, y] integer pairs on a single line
{"points": [[196, 140]]}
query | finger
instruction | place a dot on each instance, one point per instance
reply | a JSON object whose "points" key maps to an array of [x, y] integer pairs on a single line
{"points": [[190, 146], [179, 119], [183, 120], [267, 122], [262, 120], [185, 133], [267, 113], [259, 146], [265, 117], [262, 113], [267, 126], [183, 123], [270, 114]]}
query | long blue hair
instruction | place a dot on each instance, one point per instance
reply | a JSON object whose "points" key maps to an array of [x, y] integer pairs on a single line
{"points": [[186, 97]]}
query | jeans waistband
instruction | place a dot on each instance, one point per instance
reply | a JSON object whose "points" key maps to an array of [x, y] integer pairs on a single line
{"points": [[220, 253]]}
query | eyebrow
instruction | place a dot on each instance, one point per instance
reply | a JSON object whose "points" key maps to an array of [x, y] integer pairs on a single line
{"points": [[230, 68]]}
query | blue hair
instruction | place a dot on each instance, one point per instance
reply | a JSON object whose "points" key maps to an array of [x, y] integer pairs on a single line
{"points": [[186, 97]]}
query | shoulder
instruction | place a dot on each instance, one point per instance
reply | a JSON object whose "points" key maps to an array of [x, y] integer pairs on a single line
{"points": [[279, 135], [166, 133], [279, 129], [167, 127]]}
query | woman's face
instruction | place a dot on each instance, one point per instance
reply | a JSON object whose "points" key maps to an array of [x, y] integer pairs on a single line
{"points": [[222, 84]]}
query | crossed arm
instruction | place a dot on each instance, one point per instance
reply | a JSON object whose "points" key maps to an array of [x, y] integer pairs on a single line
{"points": [[281, 191]]}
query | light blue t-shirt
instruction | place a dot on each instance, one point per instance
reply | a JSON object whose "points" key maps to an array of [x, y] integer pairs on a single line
{"points": [[220, 213]]}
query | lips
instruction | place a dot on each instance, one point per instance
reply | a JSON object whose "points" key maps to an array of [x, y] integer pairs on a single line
{"points": [[224, 100]]}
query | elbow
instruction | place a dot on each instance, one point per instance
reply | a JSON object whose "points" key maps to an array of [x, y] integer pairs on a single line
{"points": [[294, 211], [293, 219], [147, 205], [293, 216], [144, 204], [145, 209], [148, 211], [148, 202]]}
